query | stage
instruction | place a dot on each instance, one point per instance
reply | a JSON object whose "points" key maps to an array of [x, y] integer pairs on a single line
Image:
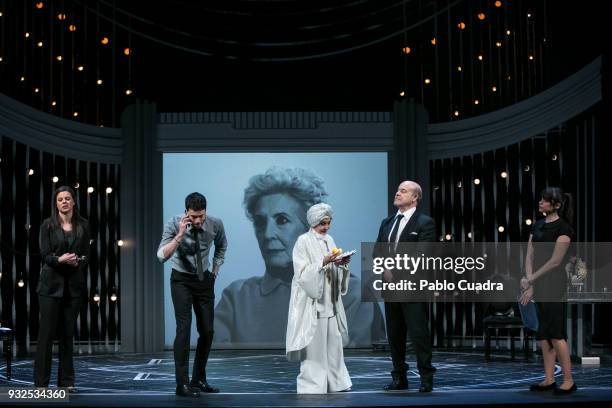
{"points": [[265, 378]]}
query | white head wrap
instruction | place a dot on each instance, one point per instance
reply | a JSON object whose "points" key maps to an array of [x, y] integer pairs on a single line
{"points": [[317, 213]]}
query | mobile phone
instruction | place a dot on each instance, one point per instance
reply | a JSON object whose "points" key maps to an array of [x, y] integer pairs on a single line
{"points": [[189, 223]]}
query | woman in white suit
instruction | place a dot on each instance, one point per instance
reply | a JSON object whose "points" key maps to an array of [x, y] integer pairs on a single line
{"points": [[316, 328]]}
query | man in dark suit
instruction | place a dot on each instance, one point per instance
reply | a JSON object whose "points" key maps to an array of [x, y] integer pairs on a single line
{"points": [[411, 318]]}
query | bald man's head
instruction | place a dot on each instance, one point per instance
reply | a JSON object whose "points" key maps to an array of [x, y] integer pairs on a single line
{"points": [[408, 195]]}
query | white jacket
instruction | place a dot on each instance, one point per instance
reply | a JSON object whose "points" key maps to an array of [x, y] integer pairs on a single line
{"points": [[307, 288]]}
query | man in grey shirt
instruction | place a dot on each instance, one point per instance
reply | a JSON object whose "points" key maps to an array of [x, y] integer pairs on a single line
{"points": [[186, 242]]}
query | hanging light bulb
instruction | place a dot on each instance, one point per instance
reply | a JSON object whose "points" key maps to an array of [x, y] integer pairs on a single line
{"points": [[127, 51], [40, 5], [501, 228], [31, 172], [96, 297], [109, 190], [481, 16], [21, 283], [113, 297], [80, 68], [104, 41], [90, 190], [477, 181], [55, 179], [61, 16], [406, 50], [120, 243], [72, 28], [503, 174], [461, 25], [528, 221], [128, 92]]}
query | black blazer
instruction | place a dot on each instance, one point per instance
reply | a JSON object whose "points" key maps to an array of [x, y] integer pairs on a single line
{"points": [[54, 277], [420, 228]]}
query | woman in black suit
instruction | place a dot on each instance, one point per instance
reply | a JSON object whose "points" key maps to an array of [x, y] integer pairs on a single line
{"points": [[546, 282], [64, 247]]}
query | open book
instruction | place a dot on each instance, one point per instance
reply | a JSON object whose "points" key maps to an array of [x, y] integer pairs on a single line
{"points": [[345, 254]]}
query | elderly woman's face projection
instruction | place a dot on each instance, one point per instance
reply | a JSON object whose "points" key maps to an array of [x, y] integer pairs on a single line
{"points": [[278, 219]]}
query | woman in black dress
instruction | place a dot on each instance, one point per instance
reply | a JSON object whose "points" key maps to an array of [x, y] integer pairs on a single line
{"points": [[64, 247], [545, 281]]}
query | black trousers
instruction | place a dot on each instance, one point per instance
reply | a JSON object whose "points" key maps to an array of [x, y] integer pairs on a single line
{"points": [[187, 292], [58, 316], [409, 318]]}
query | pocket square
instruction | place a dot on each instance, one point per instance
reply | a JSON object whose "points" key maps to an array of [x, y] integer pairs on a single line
{"points": [[413, 233]]}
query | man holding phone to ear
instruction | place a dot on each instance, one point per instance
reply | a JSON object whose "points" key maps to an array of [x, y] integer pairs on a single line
{"points": [[186, 241]]}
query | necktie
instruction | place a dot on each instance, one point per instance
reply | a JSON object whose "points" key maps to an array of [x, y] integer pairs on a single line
{"points": [[393, 236], [199, 268]]}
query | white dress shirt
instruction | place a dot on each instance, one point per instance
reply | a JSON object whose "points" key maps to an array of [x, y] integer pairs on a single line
{"points": [[406, 217]]}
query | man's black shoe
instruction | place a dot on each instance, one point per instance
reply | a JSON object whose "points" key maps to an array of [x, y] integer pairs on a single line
{"points": [[70, 388], [186, 391], [396, 385], [204, 387], [425, 387], [426, 384]]}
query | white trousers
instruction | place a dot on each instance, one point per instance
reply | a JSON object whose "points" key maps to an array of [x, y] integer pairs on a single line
{"points": [[322, 369]]}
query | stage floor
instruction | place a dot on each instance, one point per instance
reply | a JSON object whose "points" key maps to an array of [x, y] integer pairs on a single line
{"points": [[265, 378]]}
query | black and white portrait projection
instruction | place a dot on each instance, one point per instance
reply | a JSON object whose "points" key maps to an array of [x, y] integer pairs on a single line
{"points": [[262, 199]]}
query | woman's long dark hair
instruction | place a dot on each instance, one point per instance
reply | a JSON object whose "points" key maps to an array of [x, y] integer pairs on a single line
{"points": [[555, 195], [76, 219]]}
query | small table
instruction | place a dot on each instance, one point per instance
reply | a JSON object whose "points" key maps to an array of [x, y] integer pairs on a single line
{"points": [[581, 299]]}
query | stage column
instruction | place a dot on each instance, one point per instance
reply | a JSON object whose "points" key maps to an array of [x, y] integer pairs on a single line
{"points": [[409, 160], [142, 275]]}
